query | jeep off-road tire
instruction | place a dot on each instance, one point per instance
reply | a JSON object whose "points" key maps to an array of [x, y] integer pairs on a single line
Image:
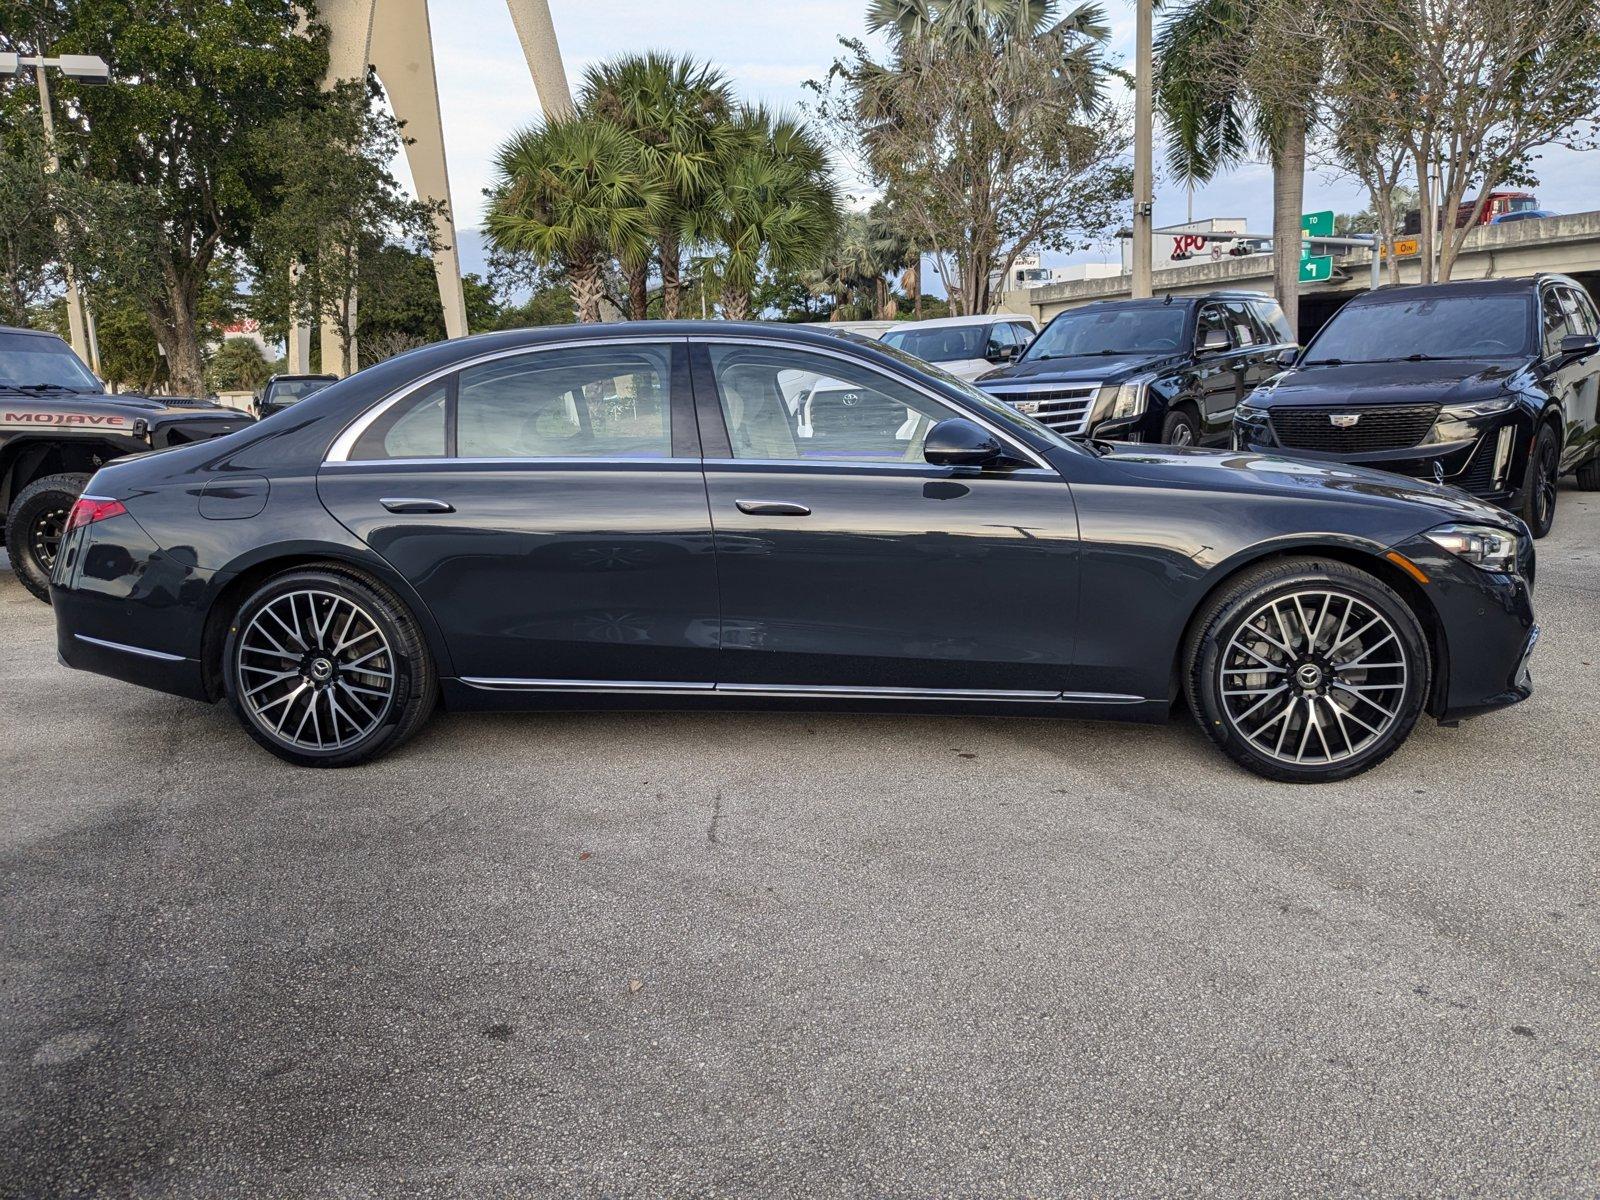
{"points": [[35, 525]]}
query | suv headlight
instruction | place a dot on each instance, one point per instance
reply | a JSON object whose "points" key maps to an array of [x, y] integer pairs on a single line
{"points": [[1126, 400], [1483, 408], [1484, 546], [1247, 411]]}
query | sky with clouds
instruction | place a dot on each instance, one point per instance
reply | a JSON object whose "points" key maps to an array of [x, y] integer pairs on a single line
{"points": [[770, 50]]}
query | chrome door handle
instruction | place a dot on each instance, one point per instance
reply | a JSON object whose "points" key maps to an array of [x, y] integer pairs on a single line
{"points": [[415, 504], [771, 508]]}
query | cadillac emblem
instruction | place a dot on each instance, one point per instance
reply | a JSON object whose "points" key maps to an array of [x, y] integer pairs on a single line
{"points": [[1343, 420]]}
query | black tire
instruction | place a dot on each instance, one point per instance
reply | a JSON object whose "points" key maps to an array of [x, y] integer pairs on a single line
{"points": [[308, 595], [1539, 482], [34, 526], [1181, 428], [1338, 712], [1589, 476]]}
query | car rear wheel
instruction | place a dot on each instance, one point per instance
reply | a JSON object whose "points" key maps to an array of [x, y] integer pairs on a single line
{"points": [[1307, 670], [1589, 476], [1539, 484], [327, 669], [35, 525]]}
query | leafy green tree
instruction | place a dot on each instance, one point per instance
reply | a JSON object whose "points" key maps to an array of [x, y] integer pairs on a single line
{"points": [[986, 128], [236, 366], [28, 250], [772, 204], [161, 173], [679, 111], [572, 194]]}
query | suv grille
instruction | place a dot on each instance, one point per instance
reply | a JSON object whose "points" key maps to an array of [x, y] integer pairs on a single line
{"points": [[1388, 428], [1064, 409]]}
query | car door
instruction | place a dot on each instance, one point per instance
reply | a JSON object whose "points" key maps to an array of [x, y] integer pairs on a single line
{"points": [[1216, 371], [1575, 381], [846, 561], [548, 505]]}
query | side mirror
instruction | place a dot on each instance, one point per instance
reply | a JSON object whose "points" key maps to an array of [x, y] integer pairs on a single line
{"points": [[958, 442], [1000, 354], [1214, 340], [1288, 358], [1579, 345]]}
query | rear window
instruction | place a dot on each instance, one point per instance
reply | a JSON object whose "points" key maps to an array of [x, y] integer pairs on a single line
{"points": [[1425, 327]]}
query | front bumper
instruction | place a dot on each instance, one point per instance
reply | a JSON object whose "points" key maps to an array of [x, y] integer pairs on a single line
{"points": [[1484, 456], [1484, 634]]}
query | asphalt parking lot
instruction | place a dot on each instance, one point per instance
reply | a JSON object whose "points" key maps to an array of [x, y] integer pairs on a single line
{"points": [[772, 954]]}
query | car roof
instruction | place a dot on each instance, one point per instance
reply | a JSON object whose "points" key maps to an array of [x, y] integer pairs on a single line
{"points": [[306, 375], [31, 332], [1173, 300], [1514, 285], [948, 322]]}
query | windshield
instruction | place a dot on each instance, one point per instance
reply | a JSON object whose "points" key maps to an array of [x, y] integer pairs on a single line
{"points": [[287, 391], [1438, 327], [30, 360], [949, 343], [1143, 330], [995, 410]]}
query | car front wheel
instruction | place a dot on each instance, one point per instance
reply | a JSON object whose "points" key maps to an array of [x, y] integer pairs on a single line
{"points": [[1539, 485], [327, 669], [1307, 670]]}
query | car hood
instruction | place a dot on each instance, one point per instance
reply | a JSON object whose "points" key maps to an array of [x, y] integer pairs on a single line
{"points": [[1228, 470], [1099, 368], [1354, 385]]}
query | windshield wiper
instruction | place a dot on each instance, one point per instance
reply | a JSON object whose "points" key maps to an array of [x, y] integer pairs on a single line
{"points": [[44, 387], [1323, 362]]}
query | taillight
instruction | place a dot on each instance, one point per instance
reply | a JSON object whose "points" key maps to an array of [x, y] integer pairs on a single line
{"points": [[90, 509]]}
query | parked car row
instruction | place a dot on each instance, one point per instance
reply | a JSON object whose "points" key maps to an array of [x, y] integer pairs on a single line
{"points": [[1489, 386]]}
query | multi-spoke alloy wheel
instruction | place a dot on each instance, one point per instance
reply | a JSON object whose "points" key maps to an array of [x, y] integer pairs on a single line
{"points": [[327, 668], [316, 670], [1314, 676], [1307, 670], [48, 527]]}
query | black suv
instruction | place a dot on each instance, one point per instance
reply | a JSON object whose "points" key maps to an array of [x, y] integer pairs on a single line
{"points": [[1169, 370], [1489, 385], [58, 426]]}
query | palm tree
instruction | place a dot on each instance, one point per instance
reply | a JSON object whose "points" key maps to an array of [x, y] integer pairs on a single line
{"points": [[772, 203], [1227, 84], [678, 109], [574, 194]]}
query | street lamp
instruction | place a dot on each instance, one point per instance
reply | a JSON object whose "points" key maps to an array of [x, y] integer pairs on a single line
{"points": [[85, 69]]}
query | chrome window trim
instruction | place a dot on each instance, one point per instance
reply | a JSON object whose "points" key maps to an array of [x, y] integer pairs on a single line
{"points": [[339, 451], [806, 348], [793, 691], [529, 460], [158, 655], [856, 464]]}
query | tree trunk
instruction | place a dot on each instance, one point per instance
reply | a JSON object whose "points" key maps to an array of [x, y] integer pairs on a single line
{"points": [[735, 303], [586, 291], [671, 278], [916, 287], [1427, 219], [1288, 196], [639, 291]]}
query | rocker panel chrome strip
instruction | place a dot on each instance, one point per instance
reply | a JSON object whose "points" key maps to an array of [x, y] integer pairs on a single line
{"points": [[159, 655], [792, 691]]}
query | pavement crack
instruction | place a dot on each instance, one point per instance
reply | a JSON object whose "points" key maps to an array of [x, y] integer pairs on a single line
{"points": [[714, 830]]}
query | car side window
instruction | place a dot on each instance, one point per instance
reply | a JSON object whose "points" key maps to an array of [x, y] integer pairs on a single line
{"points": [[1241, 325], [1001, 337], [1025, 333], [1210, 320], [1580, 311], [601, 401], [1274, 325], [414, 427], [847, 412], [1554, 318]]}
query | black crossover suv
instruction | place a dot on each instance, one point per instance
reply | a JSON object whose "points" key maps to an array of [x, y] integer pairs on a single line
{"points": [[1169, 370], [627, 515], [1486, 385]]}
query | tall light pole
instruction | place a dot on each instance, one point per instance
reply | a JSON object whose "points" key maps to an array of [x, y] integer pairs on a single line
{"points": [[85, 68], [1143, 149]]}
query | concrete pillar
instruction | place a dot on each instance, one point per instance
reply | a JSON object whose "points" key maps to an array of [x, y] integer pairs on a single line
{"points": [[537, 33], [402, 52]]}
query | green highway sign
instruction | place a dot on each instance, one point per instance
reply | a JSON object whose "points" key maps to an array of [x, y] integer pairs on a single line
{"points": [[1317, 224], [1316, 270]]}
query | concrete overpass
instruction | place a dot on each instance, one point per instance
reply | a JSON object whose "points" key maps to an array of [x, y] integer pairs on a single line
{"points": [[1569, 244]]}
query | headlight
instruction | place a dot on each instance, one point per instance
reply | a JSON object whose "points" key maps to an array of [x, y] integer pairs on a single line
{"points": [[1249, 412], [1483, 408], [1483, 546], [1126, 400]]}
